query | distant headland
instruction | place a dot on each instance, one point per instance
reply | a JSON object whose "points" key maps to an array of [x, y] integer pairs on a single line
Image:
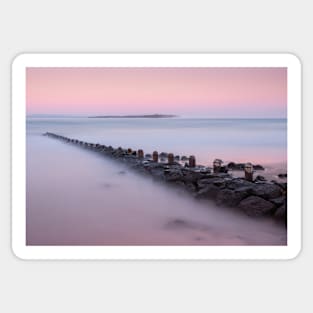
{"points": [[135, 116]]}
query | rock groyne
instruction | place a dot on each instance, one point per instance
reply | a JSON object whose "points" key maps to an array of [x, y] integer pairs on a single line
{"points": [[255, 197]]}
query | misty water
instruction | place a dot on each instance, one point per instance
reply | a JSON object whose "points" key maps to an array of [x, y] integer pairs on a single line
{"points": [[79, 197]]}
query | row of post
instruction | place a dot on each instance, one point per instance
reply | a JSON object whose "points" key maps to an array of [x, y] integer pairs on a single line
{"points": [[217, 164]]}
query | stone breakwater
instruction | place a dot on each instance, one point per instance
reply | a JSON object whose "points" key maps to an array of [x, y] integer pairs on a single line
{"points": [[255, 197]]}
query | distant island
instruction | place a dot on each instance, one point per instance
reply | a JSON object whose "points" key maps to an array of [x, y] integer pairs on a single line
{"points": [[135, 116]]}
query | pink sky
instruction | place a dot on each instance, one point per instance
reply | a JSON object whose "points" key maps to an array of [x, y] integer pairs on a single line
{"points": [[208, 92]]}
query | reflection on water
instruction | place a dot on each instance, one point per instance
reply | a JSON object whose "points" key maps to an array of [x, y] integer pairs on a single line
{"points": [[77, 197]]}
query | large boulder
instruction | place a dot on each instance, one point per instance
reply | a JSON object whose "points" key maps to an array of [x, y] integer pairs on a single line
{"points": [[209, 192], [266, 191], [278, 201], [281, 213], [256, 206], [231, 198]]}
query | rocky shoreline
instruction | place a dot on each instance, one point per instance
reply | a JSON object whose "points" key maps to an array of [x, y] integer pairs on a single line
{"points": [[255, 197]]}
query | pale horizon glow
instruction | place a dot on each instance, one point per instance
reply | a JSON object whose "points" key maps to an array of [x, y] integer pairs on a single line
{"points": [[207, 92]]}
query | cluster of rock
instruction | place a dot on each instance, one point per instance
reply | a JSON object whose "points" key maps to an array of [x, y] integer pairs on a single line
{"points": [[258, 197], [240, 166]]}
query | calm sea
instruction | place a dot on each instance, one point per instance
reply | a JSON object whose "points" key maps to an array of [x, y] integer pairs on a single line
{"points": [[76, 197]]}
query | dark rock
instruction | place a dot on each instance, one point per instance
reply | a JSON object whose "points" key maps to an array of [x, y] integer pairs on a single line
{"points": [[282, 175], [279, 201], [236, 166], [256, 206], [173, 174], [118, 153], [184, 158], [191, 187], [174, 163], [241, 166], [177, 157], [205, 170], [217, 181], [260, 178], [230, 198], [190, 176], [148, 156], [283, 186], [224, 175], [208, 192], [163, 155], [239, 183], [179, 183], [281, 212], [223, 169], [266, 191], [156, 170]]}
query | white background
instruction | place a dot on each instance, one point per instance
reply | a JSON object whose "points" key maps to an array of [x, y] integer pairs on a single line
{"points": [[159, 26]]}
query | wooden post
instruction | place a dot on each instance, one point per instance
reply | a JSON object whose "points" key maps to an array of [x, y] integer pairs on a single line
{"points": [[217, 164], [129, 151], [192, 161], [155, 156], [249, 171], [140, 154], [170, 158]]}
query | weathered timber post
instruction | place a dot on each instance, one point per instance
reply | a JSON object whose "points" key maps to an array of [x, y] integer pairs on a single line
{"points": [[155, 156], [192, 161], [140, 154], [249, 171], [217, 164], [170, 158], [129, 151]]}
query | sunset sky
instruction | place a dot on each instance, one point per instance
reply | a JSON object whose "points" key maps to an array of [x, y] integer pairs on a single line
{"points": [[207, 92]]}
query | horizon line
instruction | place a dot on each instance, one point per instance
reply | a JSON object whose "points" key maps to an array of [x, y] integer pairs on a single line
{"points": [[82, 115]]}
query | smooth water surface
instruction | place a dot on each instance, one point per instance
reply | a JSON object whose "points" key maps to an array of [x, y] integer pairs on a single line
{"points": [[78, 197]]}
